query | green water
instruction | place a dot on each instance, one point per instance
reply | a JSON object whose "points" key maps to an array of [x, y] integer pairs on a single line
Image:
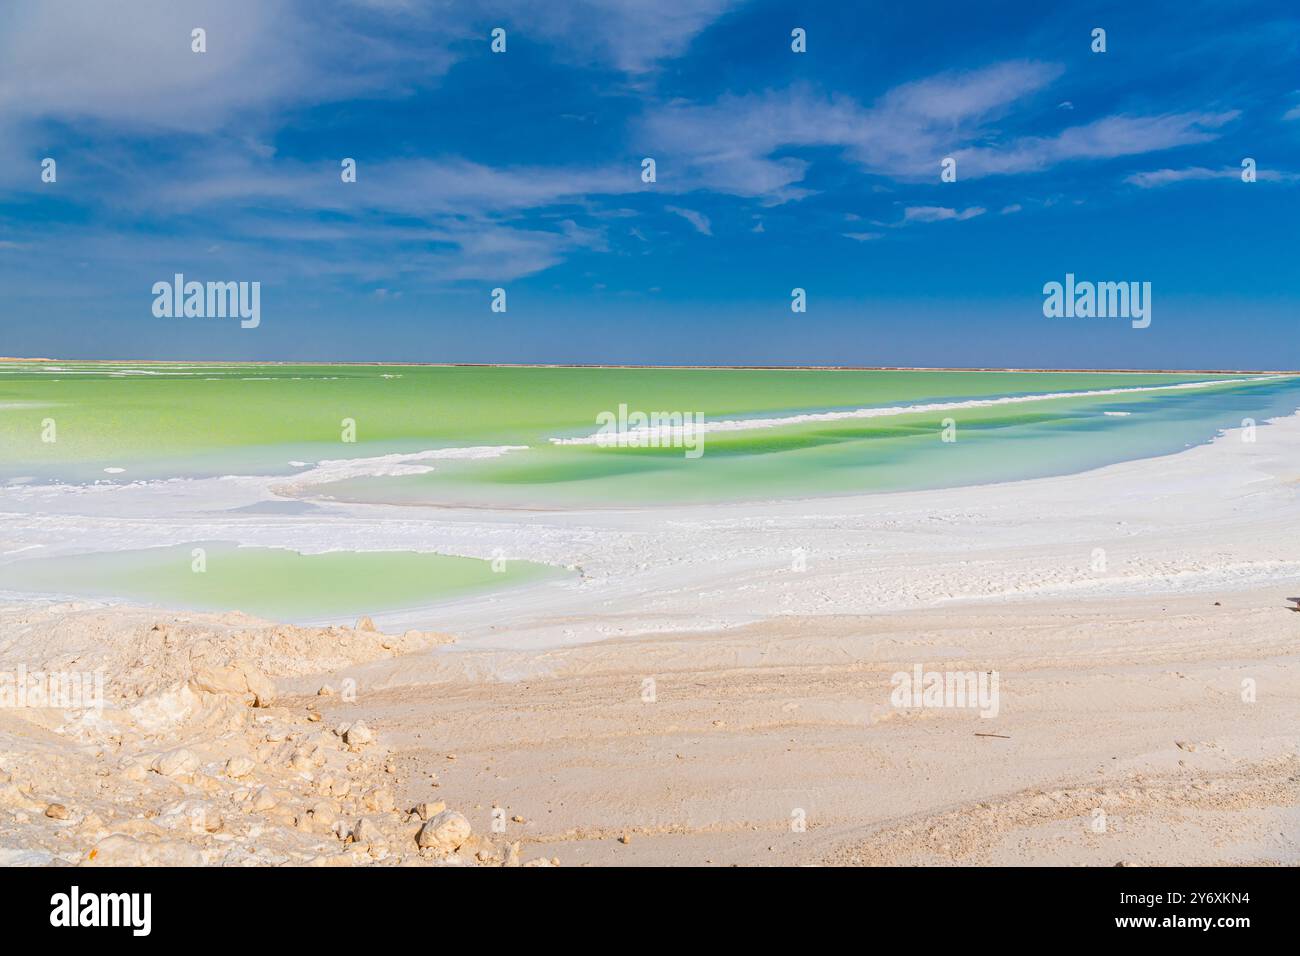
{"points": [[268, 582], [160, 421]]}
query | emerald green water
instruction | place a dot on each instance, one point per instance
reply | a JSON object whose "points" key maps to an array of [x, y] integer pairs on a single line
{"points": [[268, 582], [161, 421]]}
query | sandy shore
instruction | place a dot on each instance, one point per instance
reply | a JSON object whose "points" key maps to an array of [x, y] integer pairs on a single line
{"points": [[711, 686]]}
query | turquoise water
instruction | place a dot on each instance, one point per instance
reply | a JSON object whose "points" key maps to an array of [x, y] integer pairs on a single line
{"points": [[119, 423], [891, 453], [271, 582]]}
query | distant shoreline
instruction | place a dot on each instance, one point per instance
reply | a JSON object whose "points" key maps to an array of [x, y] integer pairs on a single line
{"points": [[717, 368]]}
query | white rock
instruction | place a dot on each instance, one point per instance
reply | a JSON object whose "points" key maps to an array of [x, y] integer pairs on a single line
{"points": [[220, 680], [427, 810], [367, 833], [175, 763], [358, 734], [122, 850], [446, 831], [239, 766], [263, 689], [12, 795]]}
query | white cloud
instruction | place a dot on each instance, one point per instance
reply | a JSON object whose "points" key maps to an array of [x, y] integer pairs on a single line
{"points": [[696, 219], [1165, 177], [740, 144], [1106, 138], [940, 213], [130, 64], [632, 35]]}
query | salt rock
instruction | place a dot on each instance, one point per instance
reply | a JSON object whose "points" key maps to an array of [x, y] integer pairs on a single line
{"points": [[365, 624], [220, 680], [122, 850], [239, 766], [196, 816], [324, 814], [209, 819], [175, 763], [282, 814], [301, 761], [367, 833], [426, 810], [264, 800], [56, 811], [358, 734], [12, 795], [238, 678], [446, 831], [208, 784], [261, 686], [380, 799]]}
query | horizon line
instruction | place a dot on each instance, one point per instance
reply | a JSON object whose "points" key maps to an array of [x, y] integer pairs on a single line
{"points": [[623, 365]]}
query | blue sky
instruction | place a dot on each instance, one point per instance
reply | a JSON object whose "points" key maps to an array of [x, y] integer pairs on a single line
{"points": [[775, 170]]}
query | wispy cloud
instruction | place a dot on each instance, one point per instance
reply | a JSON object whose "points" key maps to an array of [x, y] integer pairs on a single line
{"points": [[630, 35], [941, 213], [1106, 138], [1166, 177], [732, 145], [451, 186], [740, 144], [131, 65], [696, 219]]}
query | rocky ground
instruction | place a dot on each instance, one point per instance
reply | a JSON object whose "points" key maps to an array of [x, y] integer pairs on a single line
{"points": [[195, 759]]}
